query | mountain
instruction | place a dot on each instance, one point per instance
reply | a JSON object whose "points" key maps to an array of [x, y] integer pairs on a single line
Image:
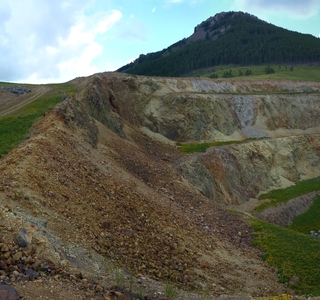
{"points": [[229, 38]]}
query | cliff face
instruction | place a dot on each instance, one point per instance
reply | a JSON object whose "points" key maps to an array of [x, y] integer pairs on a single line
{"points": [[240, 172], [281, 117], [194, 110]]}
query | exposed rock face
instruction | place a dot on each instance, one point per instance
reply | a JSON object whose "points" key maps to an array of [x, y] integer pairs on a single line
{"points": [[241, 171], [205, 110], [197, 110], [197, 174], [197, 117], [211, 27]]}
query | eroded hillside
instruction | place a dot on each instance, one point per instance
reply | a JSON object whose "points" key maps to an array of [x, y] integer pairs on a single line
{"points": [[278, 119], [100, 185]]}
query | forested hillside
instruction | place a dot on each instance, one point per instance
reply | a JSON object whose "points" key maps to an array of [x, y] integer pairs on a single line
{"points": [[229, 38]]}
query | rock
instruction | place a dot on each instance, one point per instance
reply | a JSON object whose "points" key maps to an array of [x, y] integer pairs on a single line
{"points": [[22, 238], [3, 266], [15, 273], [196, 173], [17, 256], [105, 225], [120, 296], [18, 90], [31, 274], [4, 248], [8, 293], [99, 288], [9, 261]]}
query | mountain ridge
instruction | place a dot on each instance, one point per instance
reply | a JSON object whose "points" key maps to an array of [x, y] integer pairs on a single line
{"points": [[228, 38]]}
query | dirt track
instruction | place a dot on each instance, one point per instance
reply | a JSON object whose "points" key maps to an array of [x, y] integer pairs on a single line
{"points": [[10, 102]]}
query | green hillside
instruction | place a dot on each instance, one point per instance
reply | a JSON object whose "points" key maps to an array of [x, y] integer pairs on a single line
{"points": [[268, 71], [235, 38]]}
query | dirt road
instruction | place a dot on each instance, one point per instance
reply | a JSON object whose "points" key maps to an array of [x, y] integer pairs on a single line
{"points": [[10, 102]]}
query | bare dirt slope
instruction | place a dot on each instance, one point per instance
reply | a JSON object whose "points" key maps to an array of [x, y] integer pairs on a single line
{"points": [[95, 200]]}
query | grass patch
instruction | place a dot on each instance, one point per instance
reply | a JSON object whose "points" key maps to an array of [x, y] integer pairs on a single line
{"points": [[170, 292], [284, 195], [202, 147], [292, 253], [309, 220], [15, 127], [282, 72]]}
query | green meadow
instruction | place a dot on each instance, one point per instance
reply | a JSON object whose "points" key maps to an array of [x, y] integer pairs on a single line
{"points": [[281, 72], [15, 127], [292, 250], [202, 147], [292, 254]]}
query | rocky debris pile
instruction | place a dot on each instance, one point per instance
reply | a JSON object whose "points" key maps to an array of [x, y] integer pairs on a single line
{"points": [[315, 233], [18, 260], [20, 263], [18, 90]]}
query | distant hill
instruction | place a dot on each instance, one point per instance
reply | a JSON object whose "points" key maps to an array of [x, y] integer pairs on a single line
{"points": [[229, 38]]}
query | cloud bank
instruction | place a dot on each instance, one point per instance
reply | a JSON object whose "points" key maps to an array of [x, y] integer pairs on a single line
{"points": [[47, 41], [298, 8]]}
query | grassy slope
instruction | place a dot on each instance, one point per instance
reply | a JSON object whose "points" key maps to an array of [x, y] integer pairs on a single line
{"points": [[292, 253], [16, 126], [284, 195], [282, 72], [309, 220]]}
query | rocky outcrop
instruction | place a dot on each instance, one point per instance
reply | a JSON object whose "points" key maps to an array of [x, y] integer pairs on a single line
{"points": [[196, 117], [197, 174], [241, 171], [284, 213], [200, 110], [18, 90], [285, 114]]}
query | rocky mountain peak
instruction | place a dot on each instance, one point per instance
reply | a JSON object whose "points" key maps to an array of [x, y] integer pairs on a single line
{"points": [[214, 26]]}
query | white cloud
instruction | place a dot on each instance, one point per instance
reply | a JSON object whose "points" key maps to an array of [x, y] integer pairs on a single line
{"points": [[183, 1], [154, 9], [50, 41], [298, 8], [132, 30]]}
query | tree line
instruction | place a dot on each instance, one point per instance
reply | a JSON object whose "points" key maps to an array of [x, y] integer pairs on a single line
{"points": [[246, 40]]}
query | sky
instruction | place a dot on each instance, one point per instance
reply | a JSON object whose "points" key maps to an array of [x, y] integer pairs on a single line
{"points": [[54, 41]]}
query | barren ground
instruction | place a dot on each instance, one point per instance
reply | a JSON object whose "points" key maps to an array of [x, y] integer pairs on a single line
{"points": [[120, 205]]}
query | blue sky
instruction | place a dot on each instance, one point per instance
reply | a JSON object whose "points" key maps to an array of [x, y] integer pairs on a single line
{"points": [[45, 41]]}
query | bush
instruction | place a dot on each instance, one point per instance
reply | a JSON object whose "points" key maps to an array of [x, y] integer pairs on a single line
{"points": [[213, 75], [269, 70], [227, 74]]}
